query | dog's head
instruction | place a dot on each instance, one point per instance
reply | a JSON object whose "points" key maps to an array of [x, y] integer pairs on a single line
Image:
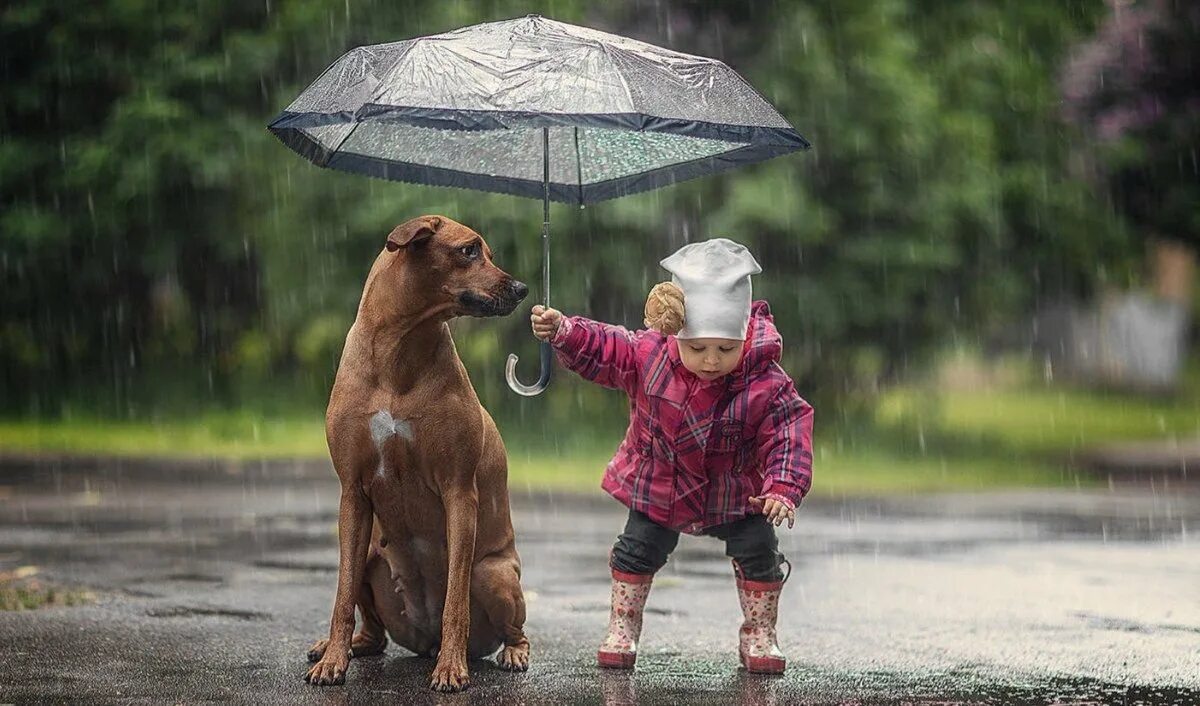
{"points": [[452, 267]]}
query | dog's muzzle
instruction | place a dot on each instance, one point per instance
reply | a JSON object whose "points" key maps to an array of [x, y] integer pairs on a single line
{"points": [[501, 303]]}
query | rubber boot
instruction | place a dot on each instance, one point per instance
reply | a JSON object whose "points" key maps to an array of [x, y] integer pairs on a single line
{"points": [[629, 592], [758, 647]]}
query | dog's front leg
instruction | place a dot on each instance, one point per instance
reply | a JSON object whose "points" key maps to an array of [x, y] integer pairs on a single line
{"points": [[461, 506], [354, 533]]}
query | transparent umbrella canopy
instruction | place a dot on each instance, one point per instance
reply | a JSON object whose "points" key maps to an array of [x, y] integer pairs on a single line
{"points": [[536, 108]]}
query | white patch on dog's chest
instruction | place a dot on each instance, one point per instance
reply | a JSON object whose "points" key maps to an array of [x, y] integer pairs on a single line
{"points": [[383, 427]]}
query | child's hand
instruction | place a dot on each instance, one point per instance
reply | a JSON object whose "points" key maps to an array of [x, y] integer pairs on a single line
{"points": [[775, 510], [545, 322]]}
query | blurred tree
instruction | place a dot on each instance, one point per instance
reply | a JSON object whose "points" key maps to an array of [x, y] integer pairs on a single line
{"points": [[118, 173], [153, 233], [938, 198], [132, 181], [997, 64], [1135, 88]]}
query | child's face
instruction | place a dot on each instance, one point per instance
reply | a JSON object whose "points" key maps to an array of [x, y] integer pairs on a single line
{"points": [[710, 358]]}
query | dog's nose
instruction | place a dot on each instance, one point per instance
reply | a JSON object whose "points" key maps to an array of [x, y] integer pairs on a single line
{"points": [[519, 289]]}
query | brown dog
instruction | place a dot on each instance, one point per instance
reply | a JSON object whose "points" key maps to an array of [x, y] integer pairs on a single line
{"points": [[424, 533]]}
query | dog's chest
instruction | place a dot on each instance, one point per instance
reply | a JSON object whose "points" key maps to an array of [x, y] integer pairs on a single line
{"points": [[399, 481], [421, 441], [395, 441], [385, 427]]}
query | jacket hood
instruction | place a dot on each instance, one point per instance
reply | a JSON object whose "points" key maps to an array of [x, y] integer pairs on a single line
{"points": [[764, 346]]}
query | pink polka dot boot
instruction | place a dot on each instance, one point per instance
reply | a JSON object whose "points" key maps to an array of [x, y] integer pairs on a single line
{"points": [[757, 647], [629, 592]]}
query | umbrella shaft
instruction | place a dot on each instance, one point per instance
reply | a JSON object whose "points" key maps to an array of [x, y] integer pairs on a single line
{"points": [[546, 216], [546, 263]]}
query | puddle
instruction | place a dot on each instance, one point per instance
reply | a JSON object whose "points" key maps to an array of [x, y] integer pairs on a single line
{"points": [[193, 578], [604, 608], [287, 565], [201, 611]]}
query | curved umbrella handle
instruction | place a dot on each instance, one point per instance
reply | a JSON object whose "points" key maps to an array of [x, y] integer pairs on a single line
{"points": [[547, 357], [510, 373]]}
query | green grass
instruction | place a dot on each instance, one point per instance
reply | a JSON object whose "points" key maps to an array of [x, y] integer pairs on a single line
{"points": [[31, 597], [1048, 419], [20, 589], [232, 436], [574, 467], [987, 428], [1040, 420]]}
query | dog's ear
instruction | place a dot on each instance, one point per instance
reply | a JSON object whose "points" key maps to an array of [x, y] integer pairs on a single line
{"points": [[412, 231]]}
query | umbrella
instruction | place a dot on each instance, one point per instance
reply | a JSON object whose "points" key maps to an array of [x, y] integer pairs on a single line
{"points": [[537, 108]]}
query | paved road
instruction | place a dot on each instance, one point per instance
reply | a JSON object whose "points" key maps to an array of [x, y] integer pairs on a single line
{"points": [[213, 589]]}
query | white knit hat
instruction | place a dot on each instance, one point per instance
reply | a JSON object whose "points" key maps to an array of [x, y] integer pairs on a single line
{"points": [[715, 278]]}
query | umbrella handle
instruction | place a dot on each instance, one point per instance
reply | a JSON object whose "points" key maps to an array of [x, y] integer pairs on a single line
{"points": [[510, 372], [510, 368]]}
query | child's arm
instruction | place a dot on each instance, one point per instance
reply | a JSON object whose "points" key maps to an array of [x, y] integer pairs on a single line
{"points": [[597, 351], [785, 448]]}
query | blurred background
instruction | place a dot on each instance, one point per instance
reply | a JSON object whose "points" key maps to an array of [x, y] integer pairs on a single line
{"points": [[983, 270]]}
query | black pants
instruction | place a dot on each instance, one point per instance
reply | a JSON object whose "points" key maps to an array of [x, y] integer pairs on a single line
{"points": [[644, 546]]}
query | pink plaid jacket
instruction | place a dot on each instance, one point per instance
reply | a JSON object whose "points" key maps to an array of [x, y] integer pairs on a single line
{"points": [[696, 451]]}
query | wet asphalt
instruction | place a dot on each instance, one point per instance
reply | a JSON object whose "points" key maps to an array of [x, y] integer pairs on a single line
{"points": [[210, 587]]}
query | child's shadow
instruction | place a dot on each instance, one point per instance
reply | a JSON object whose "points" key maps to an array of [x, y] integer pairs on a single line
{"points": [[617, 687]]}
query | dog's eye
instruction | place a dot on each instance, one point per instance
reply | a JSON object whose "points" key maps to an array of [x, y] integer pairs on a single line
{"points": [[470, 251]]}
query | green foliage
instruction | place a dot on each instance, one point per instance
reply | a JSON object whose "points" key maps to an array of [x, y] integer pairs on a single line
{"points": [[1136, 89], [937, 199], [159, 247]]}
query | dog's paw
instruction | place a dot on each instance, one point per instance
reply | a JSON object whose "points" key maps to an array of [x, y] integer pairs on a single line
{"points": [[450, 674], [359, 647], [362, 646], [330, 670], [514, 658], [317, 651]]}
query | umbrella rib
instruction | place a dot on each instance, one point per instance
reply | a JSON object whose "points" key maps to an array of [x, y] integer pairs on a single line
{"points": [[342, 142], [578, 167], [413, 173], [624, 83], [491, 119]]}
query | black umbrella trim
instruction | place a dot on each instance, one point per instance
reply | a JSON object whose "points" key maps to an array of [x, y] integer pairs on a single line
{"points": [[762, 143]]}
